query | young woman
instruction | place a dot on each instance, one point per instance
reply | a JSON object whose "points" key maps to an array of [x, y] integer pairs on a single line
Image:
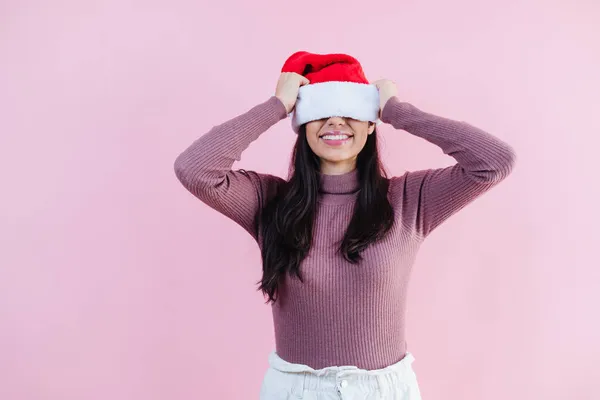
{"points": [[338, 238]]}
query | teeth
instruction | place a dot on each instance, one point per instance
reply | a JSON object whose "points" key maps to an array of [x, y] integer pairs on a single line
{"points": [[335, 137]]}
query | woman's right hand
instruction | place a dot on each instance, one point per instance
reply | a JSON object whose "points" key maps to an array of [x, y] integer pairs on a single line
{"points": [[287, 89]]}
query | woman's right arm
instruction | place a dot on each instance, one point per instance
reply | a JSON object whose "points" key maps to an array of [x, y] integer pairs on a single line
{"points": [[204, 168]]}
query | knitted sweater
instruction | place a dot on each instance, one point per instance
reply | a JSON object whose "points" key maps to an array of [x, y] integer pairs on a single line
{"points": [[343, 313]]}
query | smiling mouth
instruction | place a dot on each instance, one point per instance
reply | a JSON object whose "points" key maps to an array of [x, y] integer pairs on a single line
{"points": [[336, 135]]}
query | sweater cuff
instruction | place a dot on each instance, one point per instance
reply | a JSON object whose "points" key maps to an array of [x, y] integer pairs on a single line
{"points": [[396, 113], [277, 107]]}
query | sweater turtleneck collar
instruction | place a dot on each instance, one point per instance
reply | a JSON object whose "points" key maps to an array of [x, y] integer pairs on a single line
{"points": [[339, 188]]}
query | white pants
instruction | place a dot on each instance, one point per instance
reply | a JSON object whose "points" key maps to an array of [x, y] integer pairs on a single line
{"points": [[287, 381]]}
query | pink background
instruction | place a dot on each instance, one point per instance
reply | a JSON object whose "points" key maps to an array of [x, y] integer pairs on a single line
{"points": [[115, 283]]}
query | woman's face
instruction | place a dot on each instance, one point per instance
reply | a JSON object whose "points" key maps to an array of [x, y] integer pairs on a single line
{"points": [[337, 142]]}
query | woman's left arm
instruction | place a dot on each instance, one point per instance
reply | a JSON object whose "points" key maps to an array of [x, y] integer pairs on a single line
{"points": [[429, 197]]}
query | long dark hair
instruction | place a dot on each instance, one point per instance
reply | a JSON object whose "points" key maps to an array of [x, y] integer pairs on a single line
{"points": [[286, 222]]}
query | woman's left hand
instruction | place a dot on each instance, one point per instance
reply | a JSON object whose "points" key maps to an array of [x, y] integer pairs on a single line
{"points": [[387, 89]]}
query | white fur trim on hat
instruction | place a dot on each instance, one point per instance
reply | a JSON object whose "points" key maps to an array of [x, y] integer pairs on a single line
{"points": [[315, 101]]}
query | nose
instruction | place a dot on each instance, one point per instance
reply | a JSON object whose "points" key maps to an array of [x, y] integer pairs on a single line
{"points": [[336, 121]]}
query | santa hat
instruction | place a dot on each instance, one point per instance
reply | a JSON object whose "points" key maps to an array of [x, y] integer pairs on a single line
{"points": [[338, 87]]}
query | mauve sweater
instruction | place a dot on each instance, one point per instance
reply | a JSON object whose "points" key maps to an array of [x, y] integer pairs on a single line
{"points": [[343, 313]]}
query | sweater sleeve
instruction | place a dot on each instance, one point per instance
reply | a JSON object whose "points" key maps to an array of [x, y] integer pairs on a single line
{"points": [[429, 197], [205, 167]]}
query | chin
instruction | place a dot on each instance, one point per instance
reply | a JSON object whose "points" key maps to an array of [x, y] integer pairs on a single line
{"points": [[336, 158]]}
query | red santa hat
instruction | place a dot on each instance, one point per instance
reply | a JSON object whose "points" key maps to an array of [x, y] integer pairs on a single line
{"points": [[338, 87]]}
